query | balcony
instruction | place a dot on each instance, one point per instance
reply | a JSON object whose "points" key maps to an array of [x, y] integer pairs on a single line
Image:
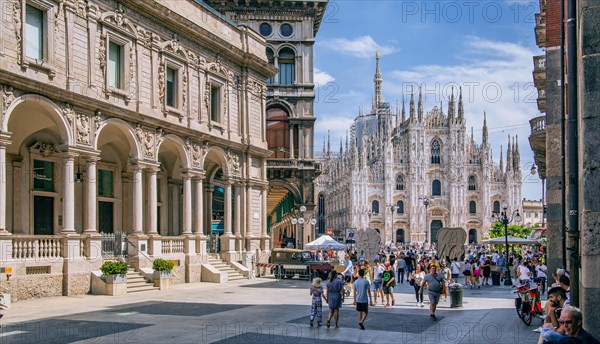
{"points": [[537, 141], [539, 72], [541, 100], [540, 30]]}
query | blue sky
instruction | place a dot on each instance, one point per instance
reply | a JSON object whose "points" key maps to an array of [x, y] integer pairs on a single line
{"points": [[487, 47]]}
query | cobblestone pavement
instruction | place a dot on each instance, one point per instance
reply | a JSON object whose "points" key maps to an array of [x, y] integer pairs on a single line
{"points": [[258, 311]]}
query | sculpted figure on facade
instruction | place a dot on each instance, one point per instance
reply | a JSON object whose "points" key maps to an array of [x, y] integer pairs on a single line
{"points": [[83, 128], [8, 97], [161, 85], [234, 162], [18, 28]]}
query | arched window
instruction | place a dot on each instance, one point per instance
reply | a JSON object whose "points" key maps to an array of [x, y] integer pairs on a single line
{"points": [[472, 236], [400, 182], [271, 59], [472, 184], [435, 152], [278, 132], [496, 206], [375, 207], [472, 207], [400, 207], [287, 60], [436, 188]]}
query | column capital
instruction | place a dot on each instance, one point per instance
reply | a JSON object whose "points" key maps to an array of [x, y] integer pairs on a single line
{"points": [[5, 139]]}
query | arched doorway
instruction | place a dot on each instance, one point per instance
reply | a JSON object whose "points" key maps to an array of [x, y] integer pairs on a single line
{"points": [[472, 236], [400, 235], [435, 227]]}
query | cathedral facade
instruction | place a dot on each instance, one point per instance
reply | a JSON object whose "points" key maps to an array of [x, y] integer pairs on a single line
{"points": [[408, 175]]}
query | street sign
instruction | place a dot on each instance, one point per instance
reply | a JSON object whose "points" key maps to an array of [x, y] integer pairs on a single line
{"points": [[329, 231]]}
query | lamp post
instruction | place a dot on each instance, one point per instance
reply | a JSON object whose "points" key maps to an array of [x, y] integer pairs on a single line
{"points": [[393, 210], [299, 219], [503, 217], [426, 200]]}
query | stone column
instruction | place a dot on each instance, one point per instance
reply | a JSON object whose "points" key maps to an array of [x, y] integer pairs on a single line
{"points": [[3, 144], [152, 201], [89, 226], [187, 204], [136, 196], [68, 194], [227, 208], [291, 146], [300, 142], [237, 214], [198, 210]]}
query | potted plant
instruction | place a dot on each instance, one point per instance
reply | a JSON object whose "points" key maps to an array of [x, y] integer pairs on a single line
{"points": [[114, 272], [162, 272]]}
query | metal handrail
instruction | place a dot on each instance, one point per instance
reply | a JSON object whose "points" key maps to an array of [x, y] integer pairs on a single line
{"points": [[138, 250]]}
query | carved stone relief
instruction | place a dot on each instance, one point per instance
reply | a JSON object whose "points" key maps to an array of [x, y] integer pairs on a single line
{"points": [[18, 28], [69, 114], [7, 97], [44, 149], [197, 151], [98, 119], [234, 162], [161, 85], [83, 129], [184, 87]]}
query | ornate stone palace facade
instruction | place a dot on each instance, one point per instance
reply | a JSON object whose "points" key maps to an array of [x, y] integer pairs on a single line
{"points": [[141, 117], [392, 163], [290, 28]]}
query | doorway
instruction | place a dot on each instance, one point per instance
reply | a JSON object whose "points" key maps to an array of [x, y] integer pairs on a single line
{"points": [[400, 235], [436, 225], [43, 215], [105, 217], [472, 236]]}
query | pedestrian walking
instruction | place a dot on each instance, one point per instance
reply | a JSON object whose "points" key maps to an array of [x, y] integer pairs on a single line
{"points": [[316, 308], [362, 298], [455, 269], [389, 282], [377, 282], [416, 280], [335, 297], [434, 283], [446, 273], [401, 266]]}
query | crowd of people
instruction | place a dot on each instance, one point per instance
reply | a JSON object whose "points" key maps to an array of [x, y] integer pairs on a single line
{"points": [[368, 282]]}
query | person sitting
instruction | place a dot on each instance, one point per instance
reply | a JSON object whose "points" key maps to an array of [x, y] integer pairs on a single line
{"points": [[571, 320]]}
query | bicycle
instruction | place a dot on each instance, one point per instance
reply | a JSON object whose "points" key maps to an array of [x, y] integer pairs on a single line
{"points": [[527, 302]]}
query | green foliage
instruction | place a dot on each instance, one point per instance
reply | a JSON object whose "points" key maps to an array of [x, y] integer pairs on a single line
{"points": [[513, 230], [114, 268], [162, 265]]}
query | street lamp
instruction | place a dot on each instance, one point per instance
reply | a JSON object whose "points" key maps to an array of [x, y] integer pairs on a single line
{"points": [[393, 209], [426, 201], [503, 217], [301, 220]]}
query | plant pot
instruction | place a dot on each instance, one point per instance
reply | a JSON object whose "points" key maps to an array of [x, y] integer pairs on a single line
{"points": [[116, 279], [162, 279]]}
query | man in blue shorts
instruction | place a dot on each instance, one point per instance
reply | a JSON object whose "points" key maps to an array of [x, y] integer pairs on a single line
{"points": [[377, 282]]}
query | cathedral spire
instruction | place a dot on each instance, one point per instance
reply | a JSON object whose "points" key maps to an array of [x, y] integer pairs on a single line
{"points": [[516, 154], [509, 158], [461, 110], [328, 142], [472, 134], [346, 141], [377, 80], [420, 108], [451, 110], [485, 129], [501, 161], [341, 147], [403, 110], [412, 107], [324, 145]]}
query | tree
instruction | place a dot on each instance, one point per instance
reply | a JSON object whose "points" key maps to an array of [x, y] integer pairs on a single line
{"points": [[513, 230]]}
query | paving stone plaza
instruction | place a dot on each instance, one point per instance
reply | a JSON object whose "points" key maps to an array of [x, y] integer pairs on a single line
{"points": [[261, 310]]}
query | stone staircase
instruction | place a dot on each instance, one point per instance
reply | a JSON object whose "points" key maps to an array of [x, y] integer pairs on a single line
{"points": [[219, 264], [136, 282]]}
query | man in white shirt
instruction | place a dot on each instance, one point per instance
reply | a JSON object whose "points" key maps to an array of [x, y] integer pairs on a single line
{"points": [[524, 273], [455, 270], [542, 271]]}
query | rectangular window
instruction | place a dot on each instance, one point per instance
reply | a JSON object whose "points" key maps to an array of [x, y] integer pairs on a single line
{"points": [[171, 87], [286, 73], [215, 98], [105, 183], [115, 64], [43, 175], [34, 33]]}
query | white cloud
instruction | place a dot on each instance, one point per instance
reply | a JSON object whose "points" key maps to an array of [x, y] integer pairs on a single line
{"points": [[322, 77], [362, 47]]}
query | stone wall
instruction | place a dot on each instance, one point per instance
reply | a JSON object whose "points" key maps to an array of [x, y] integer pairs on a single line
{"points": [[35, 286]]}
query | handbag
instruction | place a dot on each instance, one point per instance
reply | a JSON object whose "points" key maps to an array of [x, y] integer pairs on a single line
{"points": [[412, 282]]}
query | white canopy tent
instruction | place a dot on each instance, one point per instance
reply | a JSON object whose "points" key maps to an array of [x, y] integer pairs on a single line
{"points": [[325, 242], [511, 240]]}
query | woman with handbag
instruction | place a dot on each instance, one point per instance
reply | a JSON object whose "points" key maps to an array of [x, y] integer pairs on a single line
{"points": [[467, 272], [416, 280]]}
